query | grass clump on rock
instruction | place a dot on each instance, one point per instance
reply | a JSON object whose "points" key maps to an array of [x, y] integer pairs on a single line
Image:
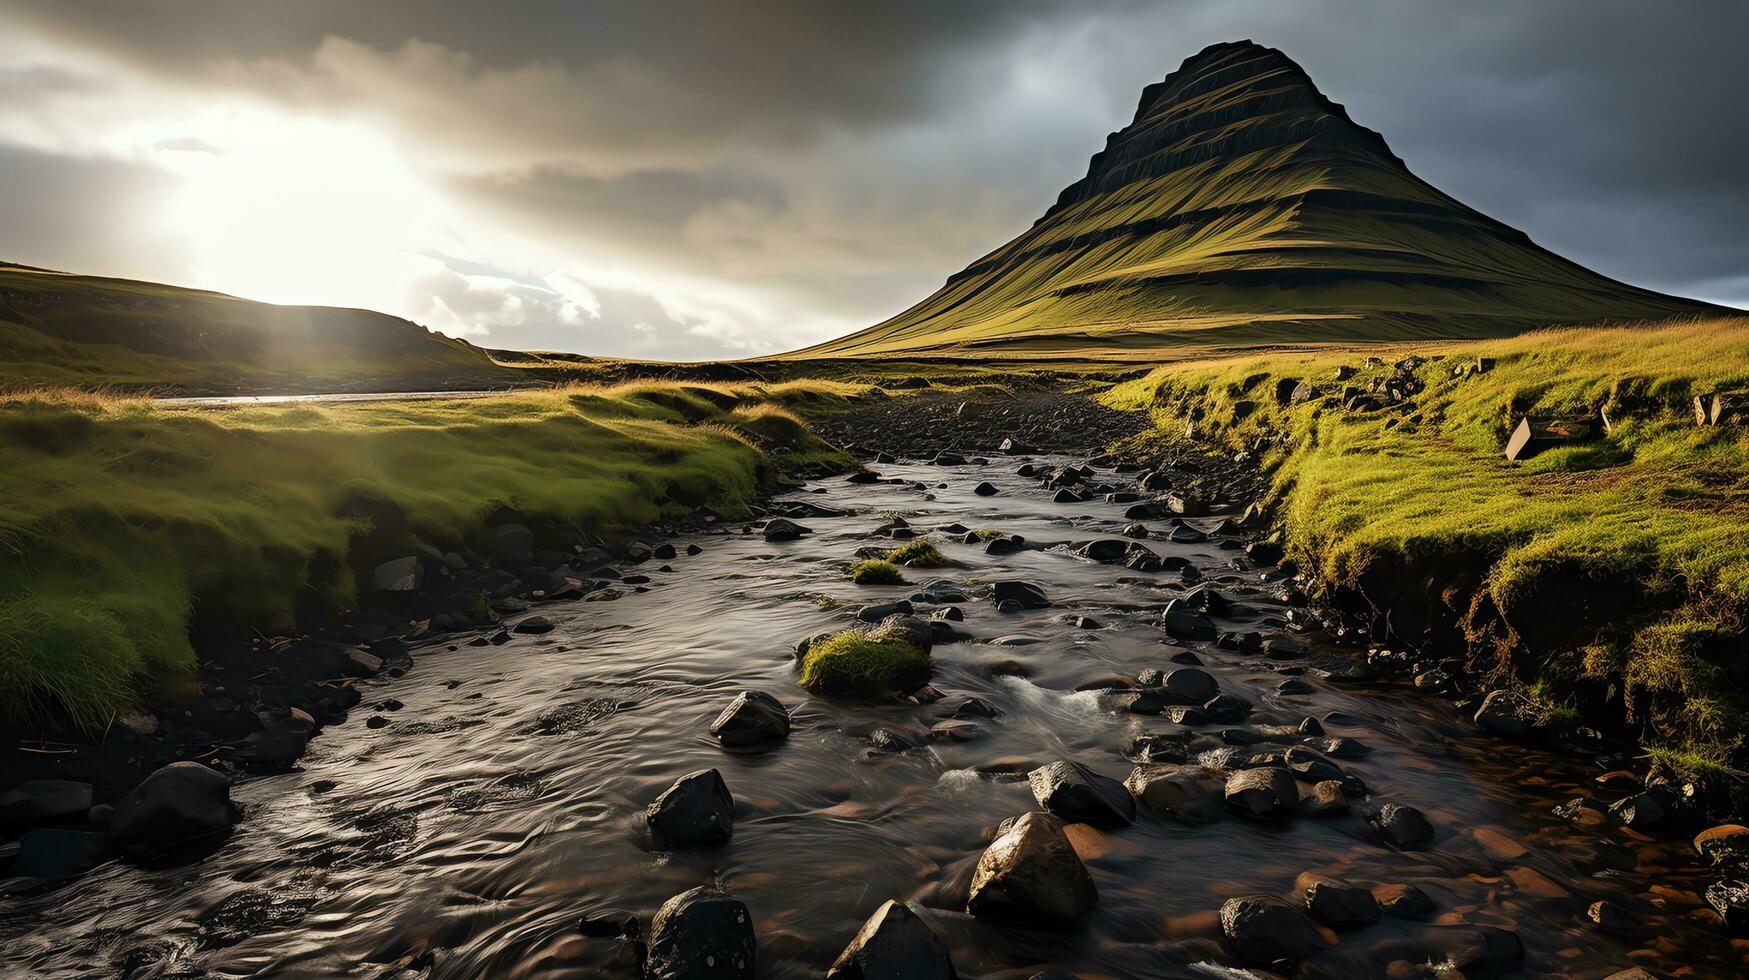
{"points": [[876, 573], [863, 664], [919, 554]]}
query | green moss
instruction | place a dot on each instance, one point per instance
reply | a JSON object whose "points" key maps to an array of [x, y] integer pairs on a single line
{"points": [[990, 533], [853, 664], [120, 515], [876, 573], [1657, 511], [919, 554]]}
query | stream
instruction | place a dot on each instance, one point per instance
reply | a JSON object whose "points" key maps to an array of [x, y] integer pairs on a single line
{"points": [[503, 801]]}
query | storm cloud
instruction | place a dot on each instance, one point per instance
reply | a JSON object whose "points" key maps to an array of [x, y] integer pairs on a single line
{"points": [[704, 179]]}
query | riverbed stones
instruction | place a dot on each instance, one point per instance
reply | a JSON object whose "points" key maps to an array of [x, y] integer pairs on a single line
{"points": [[1224, 709], [1402, 901], [42, 801], [1324, 799], [701, 934], [1078, 794], [404, 574], [1473, 951], [534, 626], [894, 944], [1188, 794], [1261, 930], [697, 811], [1032, 875], [1105, 550], [985, 489], [56, 853], [1337, 903], [1508, 713], [182, 802], [1187, 623], [753, 718], [1402, 826], [1025, 594], [1265, 792], [1189, 685], [1724, 844], [1639, 811], [784, 529], [1729, 897], [1611, 918]]}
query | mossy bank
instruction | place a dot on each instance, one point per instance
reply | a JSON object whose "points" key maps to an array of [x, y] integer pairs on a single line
{"points": [[1609, 575], [125, 520]]}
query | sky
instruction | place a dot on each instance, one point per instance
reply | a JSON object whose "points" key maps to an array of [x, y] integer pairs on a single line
{"points": [[707, 179]]}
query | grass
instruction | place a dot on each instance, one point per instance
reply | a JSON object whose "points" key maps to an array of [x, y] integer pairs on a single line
{"points": [[124, 519], [1652, 521], [920, 553], [876, 573], [856, 664]]}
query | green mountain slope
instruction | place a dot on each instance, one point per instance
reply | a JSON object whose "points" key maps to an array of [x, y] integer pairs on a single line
{"points": [[61, 329], [1242, 208]]}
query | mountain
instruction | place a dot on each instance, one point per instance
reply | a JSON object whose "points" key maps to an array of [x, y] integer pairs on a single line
{"points": [[1241, 208], [63, 329]]}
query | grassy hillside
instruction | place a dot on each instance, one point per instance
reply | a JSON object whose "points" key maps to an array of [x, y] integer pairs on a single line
{"points": [[88, 331], [1624, 559], [1242, 209], [121, 517]]}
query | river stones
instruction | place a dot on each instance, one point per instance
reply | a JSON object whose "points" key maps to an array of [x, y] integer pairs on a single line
{"points": [[1725, 843], [1077, 794], [1263, 930], [1224, 709], [1185, 622], [1311, 765], [1190, 685], [1508, 713], [533, 626], [702, 934], [508, 544], [784, 529], [55, 853], [1611, 918], [1025, 594], [911, 629], [1337, 903], [697, 811], [43, 801], [1324, 799], [985, 489], [1265, 792], [1188, 794], [1638, 811], [1472, 951], [1104, 550], [999, 546], [1135, 530], [1403, 901], [1031, 875], [1403, 826], [1729, 897], [753, 718], [181, 802], [894, 944]]}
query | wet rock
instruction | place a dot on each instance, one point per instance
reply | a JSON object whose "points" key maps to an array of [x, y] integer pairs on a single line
{"points": [[1292, 687], [1337, 903], [1508, 713], [1724, 844], [894, 944], [1104, 550], [1068, 496], [1225, 709], [1729, 897], [973, 707], [1265, 552], [1031, 874], [876, 612], [398, 575], [1341, 748], [1311, 765], [1186, 623], [702, 934], [1403, 826], [1027, 595], [1265, 792], [753, 718], [1263, 930], [1324, 799], [1612, 919], [56, 853], [663, 552], [1190, 717], [1403, 901], [999, 546], [1160, 747], [892, 740], [42, 801], [1190, 685], [910, 629], [1473, 951], [1135, 530], [1188, 794], [1077, 794], [984, 489], [1184, 534], [534, 626], [697, 811], [1086, 623], [1631, 973], [1639, 811], [1310, 727], [945, 458], [1141, 559], [609, 924], [184, 801], [784, 529], [1186, 658]]}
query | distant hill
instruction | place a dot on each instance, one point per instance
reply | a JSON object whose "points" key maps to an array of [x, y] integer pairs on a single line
{"points": [[1241, 208], [62, 329]]}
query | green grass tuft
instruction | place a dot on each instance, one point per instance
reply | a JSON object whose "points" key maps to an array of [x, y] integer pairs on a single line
{"points": [[876, 573], [920, 553], [852, 665]]}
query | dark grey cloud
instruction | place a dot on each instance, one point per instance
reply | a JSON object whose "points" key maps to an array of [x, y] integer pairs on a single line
{"points": [[779, 169]]}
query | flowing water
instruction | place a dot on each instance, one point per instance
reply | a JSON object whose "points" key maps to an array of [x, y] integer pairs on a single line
{"points": [[504, 801]]}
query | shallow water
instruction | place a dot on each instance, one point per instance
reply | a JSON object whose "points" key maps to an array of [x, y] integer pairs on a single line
{"points": [[504, 801]]}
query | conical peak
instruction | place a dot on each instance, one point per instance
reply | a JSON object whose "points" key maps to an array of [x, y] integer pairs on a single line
{"points": [[1231, 68]]}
